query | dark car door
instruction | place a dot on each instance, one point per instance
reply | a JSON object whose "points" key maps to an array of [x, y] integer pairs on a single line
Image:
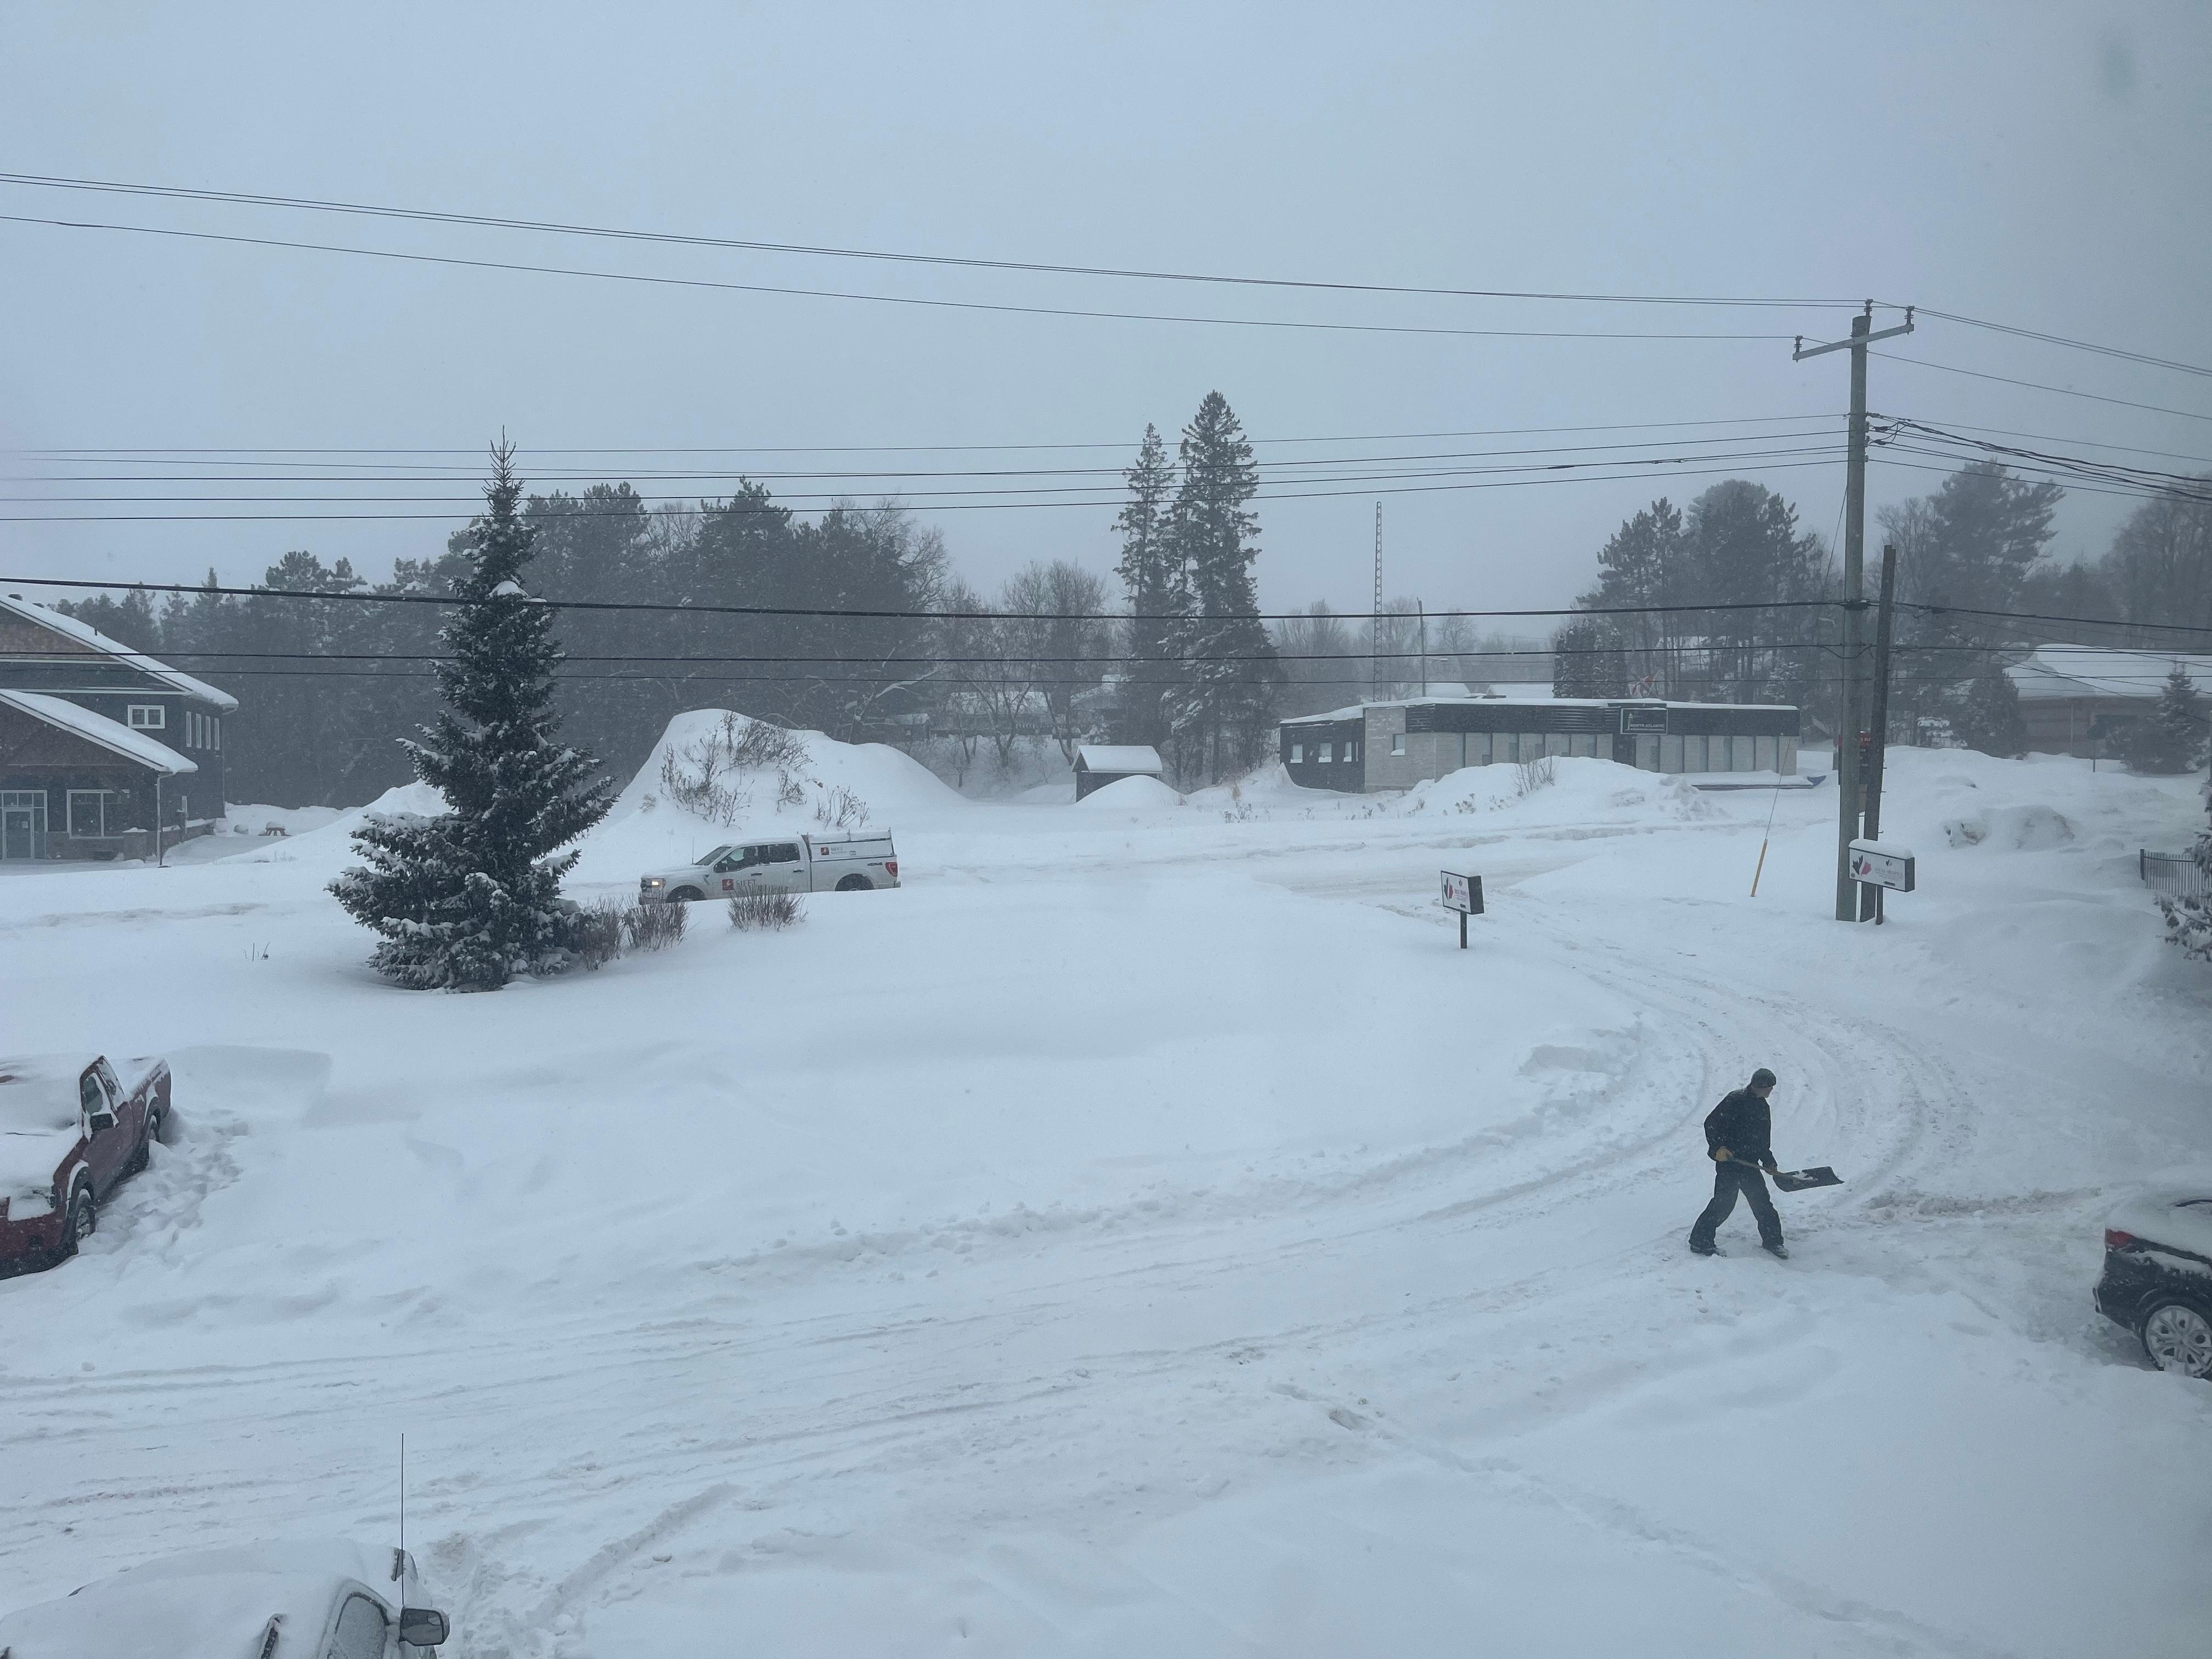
{"points": [[108, 1145]]}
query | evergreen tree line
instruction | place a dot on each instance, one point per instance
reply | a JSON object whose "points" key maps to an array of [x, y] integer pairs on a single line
{"points": [[325, 690]]}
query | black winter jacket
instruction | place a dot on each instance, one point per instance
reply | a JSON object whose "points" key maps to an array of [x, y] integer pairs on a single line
{"points": [[1743, 1125]]}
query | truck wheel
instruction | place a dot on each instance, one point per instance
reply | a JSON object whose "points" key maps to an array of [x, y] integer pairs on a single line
{"points": [[856, 884], [79, 1226], [686, 896], [2177, 1338], [144, 1155]]}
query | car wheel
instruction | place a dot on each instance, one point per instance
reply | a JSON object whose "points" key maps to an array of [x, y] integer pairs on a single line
{"points": [[856, 884], [143, 1155], [82, 1222], [2177, 1338], [686, 896]]}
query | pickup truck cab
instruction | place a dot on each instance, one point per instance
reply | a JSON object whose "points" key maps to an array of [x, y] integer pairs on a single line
{"points": [[306, 1598], [70, 1133], [802, 864]]}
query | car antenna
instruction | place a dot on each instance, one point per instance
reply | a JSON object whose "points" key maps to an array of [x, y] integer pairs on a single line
{"points": [[399, 1566]]}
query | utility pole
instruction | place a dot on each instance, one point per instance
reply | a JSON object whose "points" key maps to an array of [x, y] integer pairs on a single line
{"points": [[1375, 680], [1852, 715], [1885, 617], [1422, 611]]}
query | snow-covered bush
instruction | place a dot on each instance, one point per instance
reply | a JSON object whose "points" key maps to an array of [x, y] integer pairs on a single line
{"points": [[772, 911], [1530, 775], [653, 926], [600, 933], [707, 776]]}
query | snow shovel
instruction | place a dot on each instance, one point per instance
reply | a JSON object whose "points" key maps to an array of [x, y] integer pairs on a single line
{"points": [[1796, 1181]]}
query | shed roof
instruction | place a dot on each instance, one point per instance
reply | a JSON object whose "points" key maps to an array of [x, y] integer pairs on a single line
{"points": [[1354, 710], [2055, 672], [1138, 759], [111, 735], [85, 634]]}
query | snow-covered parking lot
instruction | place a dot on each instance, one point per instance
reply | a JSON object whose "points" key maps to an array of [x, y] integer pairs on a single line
{"points": [[1146, 1232]]}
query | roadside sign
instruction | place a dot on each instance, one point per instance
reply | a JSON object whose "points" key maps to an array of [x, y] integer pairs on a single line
{"points": [[1464, 894], [1882, 863]]}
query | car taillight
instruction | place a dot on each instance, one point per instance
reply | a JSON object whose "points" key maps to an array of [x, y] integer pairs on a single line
{"points": [[892, 865], [2116, 1240]]}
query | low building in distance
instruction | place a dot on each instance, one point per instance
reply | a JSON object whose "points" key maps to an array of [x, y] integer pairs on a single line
{"points": [[1097, 764], [2079, 698], [1398, 743], [101, 747]]}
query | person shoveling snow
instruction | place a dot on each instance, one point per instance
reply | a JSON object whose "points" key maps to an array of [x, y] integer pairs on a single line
{"points": [[1738, 1132]]}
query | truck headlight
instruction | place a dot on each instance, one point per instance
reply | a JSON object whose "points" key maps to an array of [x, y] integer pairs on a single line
{"points": [[652, 881]]}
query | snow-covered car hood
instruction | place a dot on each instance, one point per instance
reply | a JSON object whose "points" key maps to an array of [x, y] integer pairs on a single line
{"points": [[2178, 1216], [38, 1119], [213, 1604]]}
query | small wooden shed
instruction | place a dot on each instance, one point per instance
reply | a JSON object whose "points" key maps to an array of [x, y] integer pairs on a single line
{"points": [[1097, 764]]}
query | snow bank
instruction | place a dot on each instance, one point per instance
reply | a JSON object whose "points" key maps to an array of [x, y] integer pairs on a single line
{"points": [[1598, 791], [2010, 828], [1145, 797]]}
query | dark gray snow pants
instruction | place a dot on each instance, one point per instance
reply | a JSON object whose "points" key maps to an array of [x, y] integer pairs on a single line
{"points": [[1730, 1178]]}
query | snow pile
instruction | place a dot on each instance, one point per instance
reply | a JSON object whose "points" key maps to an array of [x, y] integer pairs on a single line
{"points": [[2010, 828], [251, 819], [1560, 789], [1142, 796]]}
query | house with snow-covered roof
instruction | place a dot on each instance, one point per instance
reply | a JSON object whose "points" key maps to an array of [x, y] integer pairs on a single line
{"points": [[105, 751], [2078, 699]]}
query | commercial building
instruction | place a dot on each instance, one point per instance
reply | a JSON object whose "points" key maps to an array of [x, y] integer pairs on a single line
{"points": [[1395, 746]]}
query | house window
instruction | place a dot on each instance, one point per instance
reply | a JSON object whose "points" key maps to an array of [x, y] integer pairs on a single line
{"points": [[146, 717], [1297, 753], [87, 812], [1327, 753], [218, 734], [1350, 750], [1398, 743]]}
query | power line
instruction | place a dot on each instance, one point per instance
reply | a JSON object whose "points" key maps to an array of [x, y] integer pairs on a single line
{"points": [[454, 474], [706, 284], [1681, 471], [1120, 445], [2038, 385], [659, 608], [2063, 340], [319, 204]]}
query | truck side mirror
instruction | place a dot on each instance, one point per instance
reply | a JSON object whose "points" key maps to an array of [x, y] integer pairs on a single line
{"points": [[422, 1627]]}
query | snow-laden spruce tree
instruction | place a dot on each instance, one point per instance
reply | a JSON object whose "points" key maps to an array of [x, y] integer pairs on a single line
{"points": [[2171, 738], [2189, 920], [470, 898], [1990, 718]]}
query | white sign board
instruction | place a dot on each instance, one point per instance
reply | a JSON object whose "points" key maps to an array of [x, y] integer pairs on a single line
{"points": [[1882, 863], [1462, 894]]}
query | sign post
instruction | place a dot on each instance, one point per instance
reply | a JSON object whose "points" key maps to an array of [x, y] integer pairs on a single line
{"points": [[1464, 894], [1882, 863]]}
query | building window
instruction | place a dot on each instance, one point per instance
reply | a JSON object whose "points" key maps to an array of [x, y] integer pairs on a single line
{"points": [[1398, 743], [1762, 755], [1670, 753], [87, 812], [1583, 745], [1478, 749], [146, 717], [1350, 750], [1327, 753], [218, 734], [1297, 753], [1738, 754]]}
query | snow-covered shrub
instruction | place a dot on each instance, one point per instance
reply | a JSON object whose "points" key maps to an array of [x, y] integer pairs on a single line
{"points": [[2189, 920], [599, 937], [707, 776], [772, 911], [653, 926], [1530, 775]]}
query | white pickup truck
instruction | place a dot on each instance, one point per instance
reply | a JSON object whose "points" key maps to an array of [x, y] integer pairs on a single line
{"points": [[805, 863]]}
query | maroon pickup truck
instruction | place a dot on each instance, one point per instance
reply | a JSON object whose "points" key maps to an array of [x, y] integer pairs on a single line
{"points": [[69, 1133]]}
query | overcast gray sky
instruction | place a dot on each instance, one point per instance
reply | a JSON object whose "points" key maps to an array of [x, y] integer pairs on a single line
{"points": [[2042, 165]]}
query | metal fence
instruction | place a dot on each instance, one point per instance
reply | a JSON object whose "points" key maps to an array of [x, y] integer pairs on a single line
{"points": [[2177, 875]]}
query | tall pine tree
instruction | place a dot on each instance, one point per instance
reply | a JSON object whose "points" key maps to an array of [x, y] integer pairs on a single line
{"points": [[1152, 578], [1226, 662], [467, 899]]}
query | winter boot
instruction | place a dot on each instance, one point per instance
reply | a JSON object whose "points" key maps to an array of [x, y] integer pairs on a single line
{"points": [[1777, 1250]]}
